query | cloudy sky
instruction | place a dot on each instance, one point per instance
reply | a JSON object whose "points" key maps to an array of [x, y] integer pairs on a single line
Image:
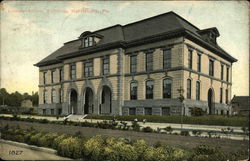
{"points": [[32, 30]]}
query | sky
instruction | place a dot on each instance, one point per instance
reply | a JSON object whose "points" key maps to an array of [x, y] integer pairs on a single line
{"points": [[32, 30]]}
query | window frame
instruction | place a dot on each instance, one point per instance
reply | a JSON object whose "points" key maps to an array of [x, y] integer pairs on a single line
{"points": [[87, 66], [222, 72], [61, 75], [45, 96], [148, 111], [149, 61], [211, 67], [133, 64], [53, 76], [167, 59], [149, 95], [227, 78], [221, 95], [133, 97], [44, 77], [189, 89], [166, 95], [132, 109], [198, 90], [190, 58], [53, 96], [105, 65], [198, 62], [72, 71]]}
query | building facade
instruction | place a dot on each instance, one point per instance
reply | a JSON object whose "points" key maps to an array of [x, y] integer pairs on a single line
{"points": [[138, 69]]}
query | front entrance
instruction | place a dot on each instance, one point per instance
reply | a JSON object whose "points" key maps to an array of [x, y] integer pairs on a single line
{"points": [[73, 102], [210, 100], [88, 105], [106, 107]]}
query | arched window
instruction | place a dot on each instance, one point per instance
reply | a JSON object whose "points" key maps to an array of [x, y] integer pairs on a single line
{"points": [[167, 86], [45, 96], [149, 89], [189, 88], [133, 90], [198, 90], [53, 96]]}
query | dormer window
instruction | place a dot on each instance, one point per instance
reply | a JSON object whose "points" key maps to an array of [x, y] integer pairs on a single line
{"points": [[88, 41]]}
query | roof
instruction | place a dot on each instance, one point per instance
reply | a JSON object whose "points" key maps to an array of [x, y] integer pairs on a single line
{"points": [[123, 36]]}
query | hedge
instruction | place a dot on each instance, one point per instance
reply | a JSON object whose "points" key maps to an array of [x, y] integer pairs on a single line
{"points": [[201, 120], [100, 148]]}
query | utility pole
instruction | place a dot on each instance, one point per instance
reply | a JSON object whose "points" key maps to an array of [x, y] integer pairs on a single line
{"points": [[181, 98]]}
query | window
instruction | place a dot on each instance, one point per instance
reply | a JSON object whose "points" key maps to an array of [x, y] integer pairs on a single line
{"points": [[53, 96], [190, 58], [167, 59], [148, 111], [221, 94], [149, 61], [133, 63], [133, 90], [44, 111], [211, 67], [167, 86], [199, 62], [59, 111], [45, 96], [61, 96], [198, 90], [222, 72], [60, 75], [221, 112], [88, 41], [149, 89], [88, 69], [165, 111], [132, 111], [52, 111], [73, 71], [189, 89], [227, 74], [44, 77], [226, 96], [53, 76], [105, 65]]}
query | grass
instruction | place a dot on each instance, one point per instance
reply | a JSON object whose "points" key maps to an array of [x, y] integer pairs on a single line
{"points": [[240, 121]]}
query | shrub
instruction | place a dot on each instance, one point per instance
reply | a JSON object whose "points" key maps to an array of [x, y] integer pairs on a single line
{"points": [[147, 129], [184, 133], [208, 153], [135, 126], [197, 111], [34, 139], [70, 147], [93, 148], [58, 140], [169, 129], [118, 150], [47, 140]]}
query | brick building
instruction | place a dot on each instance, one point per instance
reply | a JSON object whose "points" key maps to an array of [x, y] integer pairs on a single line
{"points": [[137, 69]]}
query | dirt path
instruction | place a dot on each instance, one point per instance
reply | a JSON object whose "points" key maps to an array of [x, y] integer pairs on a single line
{"points": [[173, 140]]}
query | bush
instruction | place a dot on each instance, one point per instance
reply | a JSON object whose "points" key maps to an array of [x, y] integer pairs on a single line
{"points": [[70, 147], [169, 129], [197, 111], [147, 129], [208, 153], [135, 126], [34, 139], [184, 133], [93, 148], [47, 140], [58, 140], [202, 120]]}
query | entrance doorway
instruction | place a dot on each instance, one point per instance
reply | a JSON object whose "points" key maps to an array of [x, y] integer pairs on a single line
{"points": [[106, 107], [73, 102], [210, 100], [88, 105]]}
